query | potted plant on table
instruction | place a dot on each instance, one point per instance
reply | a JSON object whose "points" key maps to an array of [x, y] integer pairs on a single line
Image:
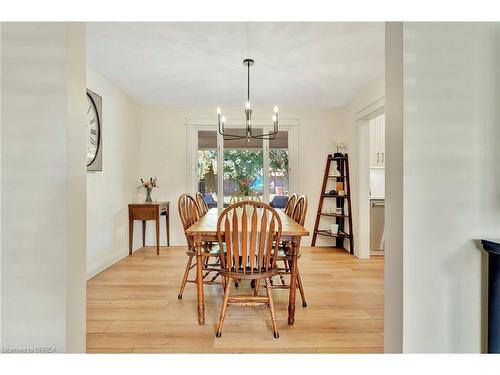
{"points": [[148, 185], [244, 187]]}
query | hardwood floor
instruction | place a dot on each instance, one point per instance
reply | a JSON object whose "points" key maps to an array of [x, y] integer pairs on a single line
{"points": [[132, 307]]}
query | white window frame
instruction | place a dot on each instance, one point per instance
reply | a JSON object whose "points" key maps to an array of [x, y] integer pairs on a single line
{"points": [[193, 125]]}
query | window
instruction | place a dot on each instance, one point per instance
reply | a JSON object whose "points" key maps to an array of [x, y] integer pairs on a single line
{"points": [[243, 165], [207, 166], [278, 170], [227, 171]]}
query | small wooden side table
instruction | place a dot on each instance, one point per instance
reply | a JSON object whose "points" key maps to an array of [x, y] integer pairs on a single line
{"points": [[148, 211]]}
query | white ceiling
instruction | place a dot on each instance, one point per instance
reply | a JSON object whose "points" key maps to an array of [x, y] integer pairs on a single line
{"points": [[197, 64]]}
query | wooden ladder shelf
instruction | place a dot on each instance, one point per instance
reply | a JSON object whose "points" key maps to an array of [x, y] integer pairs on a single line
{"points": [[343, 214]]}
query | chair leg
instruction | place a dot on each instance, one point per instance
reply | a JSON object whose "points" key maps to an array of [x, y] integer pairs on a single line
{"points": [[185, 277], [271, 308], [256, 287], [285, 262], [301, 289], [224, 308]]}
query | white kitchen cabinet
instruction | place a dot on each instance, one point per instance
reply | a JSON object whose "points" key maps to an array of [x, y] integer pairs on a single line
{"points": [[377, 142]]}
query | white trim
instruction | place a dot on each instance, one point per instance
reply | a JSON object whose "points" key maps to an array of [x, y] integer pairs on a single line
{"points": [[220, 170], [103, 264], [369, 112], [265, 166]]}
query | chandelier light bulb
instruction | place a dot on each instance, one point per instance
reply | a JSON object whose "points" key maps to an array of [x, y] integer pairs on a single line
{"points": [[247, 105], [275, 109], [274, 118], [218, 110], [223, 119]]}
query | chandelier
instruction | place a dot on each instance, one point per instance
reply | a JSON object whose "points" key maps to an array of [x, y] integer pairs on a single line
{"points": [[249, 133]]}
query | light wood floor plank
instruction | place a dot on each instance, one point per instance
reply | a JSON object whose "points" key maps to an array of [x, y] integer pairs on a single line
{"points": [[132, 307]]}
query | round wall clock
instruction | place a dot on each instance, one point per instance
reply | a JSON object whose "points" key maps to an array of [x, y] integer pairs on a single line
{"points": [[93, 125]]}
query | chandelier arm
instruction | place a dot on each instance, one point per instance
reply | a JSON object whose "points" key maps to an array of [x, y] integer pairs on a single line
{"points": [[229, 137], [270, 135]]}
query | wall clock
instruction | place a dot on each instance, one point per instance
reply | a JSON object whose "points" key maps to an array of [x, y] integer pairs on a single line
{"points": [[93, 124]]}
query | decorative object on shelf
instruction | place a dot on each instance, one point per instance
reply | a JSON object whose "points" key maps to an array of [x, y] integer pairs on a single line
{"points": [[336, 172], [148, 185], [93, 123], [338, 146], [248, 117], [332, 192], [334, 228]]}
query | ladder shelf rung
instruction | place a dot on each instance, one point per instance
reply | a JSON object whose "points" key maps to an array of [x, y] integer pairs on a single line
{"points": [[328, 233], [336, 157], [332, 214]]}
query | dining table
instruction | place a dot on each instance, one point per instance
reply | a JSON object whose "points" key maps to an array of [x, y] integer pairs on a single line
{"points": [[205, 230]]}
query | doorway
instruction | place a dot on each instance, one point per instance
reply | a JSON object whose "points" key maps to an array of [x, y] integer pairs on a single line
{"points": [[372, 184]]}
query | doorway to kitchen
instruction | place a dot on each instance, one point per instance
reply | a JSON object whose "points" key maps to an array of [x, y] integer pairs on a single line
{"points": [[372, 184]]}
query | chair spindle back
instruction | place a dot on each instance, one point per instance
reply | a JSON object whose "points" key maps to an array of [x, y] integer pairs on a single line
{"points": [[252, 232], [201, 204], [300, 210], [189, 213], [290, 205]]}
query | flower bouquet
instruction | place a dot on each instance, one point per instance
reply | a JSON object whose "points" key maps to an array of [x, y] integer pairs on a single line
{"points": [[244, 187], [149, 185]]}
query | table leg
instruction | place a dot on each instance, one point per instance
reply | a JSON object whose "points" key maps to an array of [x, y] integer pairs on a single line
{"points": [[130, 235], [167, 223], [293, 280], [199, 280], [157, 221], [143, 233]]}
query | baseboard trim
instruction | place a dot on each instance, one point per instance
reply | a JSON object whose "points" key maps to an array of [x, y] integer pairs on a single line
{"points": [[105, 263]]}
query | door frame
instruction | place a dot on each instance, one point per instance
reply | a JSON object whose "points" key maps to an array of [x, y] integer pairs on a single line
{"points": [[375, 109]]}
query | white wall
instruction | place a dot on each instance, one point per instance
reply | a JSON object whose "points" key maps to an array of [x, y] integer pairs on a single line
{"points": [[43, 186], [164, 151], [451, 181], [366, 105], [110, 191]]}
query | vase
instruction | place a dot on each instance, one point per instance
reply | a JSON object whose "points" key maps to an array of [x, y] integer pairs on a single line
{"points": [[148, 195]]}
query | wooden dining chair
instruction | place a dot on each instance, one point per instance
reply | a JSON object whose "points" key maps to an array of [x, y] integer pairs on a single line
{"points": [[189, 213], [284, 254], [251, 232], [203, 206], [290, 205]]}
